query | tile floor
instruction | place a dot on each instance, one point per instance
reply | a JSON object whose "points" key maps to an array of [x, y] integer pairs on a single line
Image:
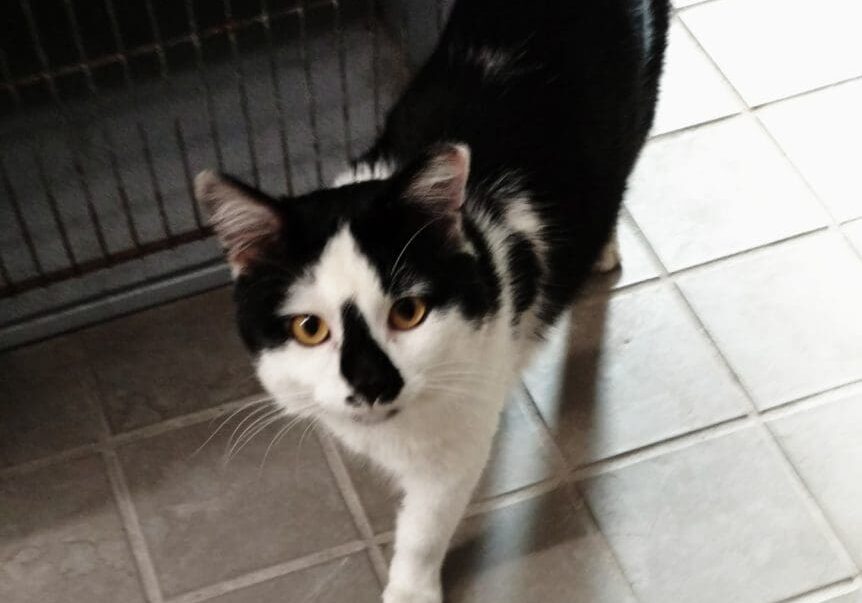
{"points": [[691, 434]]}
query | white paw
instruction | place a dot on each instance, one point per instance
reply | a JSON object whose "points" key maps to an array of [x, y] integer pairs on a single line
{"points": [[609, 259], [400, 594]]}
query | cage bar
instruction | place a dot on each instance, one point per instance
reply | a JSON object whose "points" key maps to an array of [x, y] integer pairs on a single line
{"points": [[279, 103], [243, 94], [208, 99], [123, 196], [91, 208], [36, 38], [19, 219], [374, 10], [55, 212], [119, 43], [342, 73], [310, 92], [187, 172], [157, 36], [154, 181], [79, 44], [7, 79]]}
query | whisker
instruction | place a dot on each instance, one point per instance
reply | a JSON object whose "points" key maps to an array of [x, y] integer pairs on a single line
{"points": [[227, 420], [261, 420]]}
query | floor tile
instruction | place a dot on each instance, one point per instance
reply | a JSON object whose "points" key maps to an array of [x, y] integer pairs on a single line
{"points": [[206, 520], [170, 360], [61, 539], [519, 459], [757, 43], [682, 3], [47, 403], [637, 262], [822, 135], [786, 317], [543, 549], [350, 579], [629, 372], [716, 522], [854, 597], [854, 232], [692, 90], [719, 189], [825, 446]]}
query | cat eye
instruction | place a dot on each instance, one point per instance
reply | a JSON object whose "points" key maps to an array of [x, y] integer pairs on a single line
{"points": [[407, 313], [308, 329]]}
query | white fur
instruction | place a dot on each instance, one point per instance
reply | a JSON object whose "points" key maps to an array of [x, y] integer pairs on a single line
{"points": [[363, 172], [456, 378]]}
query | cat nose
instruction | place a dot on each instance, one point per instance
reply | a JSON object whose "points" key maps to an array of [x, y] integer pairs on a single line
{"points": [[362, 399]]}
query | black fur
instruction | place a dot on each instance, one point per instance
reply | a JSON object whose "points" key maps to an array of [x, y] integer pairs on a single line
{"points": [[363, 364], [564, 113]]}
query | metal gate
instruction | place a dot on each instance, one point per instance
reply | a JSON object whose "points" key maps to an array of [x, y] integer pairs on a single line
{"points": [[108, 108]]}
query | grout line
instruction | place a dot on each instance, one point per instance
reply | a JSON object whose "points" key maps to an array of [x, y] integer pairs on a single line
{"points": [[270, 573], [354, 505], [47, 461], [753, 415], [827, 593], [512, 497], [132, 527], [577, 499], [833, 222]]}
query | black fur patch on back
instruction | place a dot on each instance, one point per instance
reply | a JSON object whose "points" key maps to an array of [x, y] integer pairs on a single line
{"points": [[525, 273]]}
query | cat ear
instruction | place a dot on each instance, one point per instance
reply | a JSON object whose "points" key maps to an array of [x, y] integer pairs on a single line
{"points": [[440, 182], [244, 219]]}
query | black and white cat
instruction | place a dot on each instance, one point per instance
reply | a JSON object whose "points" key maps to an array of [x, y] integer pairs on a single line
{"points": [[400, 307]]}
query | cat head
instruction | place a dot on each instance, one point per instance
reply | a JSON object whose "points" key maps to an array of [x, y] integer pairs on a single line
{"points": [[357, 301]]}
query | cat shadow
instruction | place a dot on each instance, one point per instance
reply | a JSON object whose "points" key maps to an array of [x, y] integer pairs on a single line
{"points": [[537, 549]]}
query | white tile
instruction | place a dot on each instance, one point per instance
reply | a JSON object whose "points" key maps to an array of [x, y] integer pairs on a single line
{"points": [[719, 189], [854, 597], [717, 522], [824, 444], [854, 231], [787, 317], [682, 3], [822, 135], [770, 49], [692, 90], [637, 262], [630, 372]]}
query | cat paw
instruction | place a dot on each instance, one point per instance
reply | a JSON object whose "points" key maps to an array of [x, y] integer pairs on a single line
{"points": [[399, 594], [610, 258]]}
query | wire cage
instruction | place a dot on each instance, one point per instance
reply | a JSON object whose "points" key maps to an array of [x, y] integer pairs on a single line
{"points": [[109, 107]]}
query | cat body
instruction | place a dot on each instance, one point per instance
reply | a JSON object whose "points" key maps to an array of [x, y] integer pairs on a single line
{"points": [[399, 307]]}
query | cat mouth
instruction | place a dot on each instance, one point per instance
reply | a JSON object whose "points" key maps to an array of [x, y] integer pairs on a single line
{"points": [[376, 418]]}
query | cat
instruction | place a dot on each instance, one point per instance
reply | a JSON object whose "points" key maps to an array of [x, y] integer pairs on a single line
{"points": [[400, 306]]}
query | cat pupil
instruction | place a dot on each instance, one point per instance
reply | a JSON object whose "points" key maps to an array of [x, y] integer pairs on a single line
{"points": [[406, 308], [311, 325]]}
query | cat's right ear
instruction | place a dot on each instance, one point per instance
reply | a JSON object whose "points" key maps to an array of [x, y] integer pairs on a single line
{"points": [[244, 219]]}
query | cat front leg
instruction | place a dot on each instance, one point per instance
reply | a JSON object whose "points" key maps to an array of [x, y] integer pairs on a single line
{"points": [[432, 507]]}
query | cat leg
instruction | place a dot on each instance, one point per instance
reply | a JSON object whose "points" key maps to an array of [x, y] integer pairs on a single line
{"points": [[430, 512], [609, 259]]}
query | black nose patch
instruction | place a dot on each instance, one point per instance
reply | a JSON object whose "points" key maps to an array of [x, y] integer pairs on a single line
{"points": [[365, 366]]}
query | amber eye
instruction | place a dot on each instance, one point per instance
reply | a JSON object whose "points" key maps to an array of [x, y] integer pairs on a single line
{"points": [[308, 329], [407, 313]]}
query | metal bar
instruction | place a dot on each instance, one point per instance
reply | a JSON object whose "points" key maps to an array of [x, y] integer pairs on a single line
{"points": [[19, 218], [7, 79], [375, 61], [91, 208], [243, 94], [154, 181], [115, 258], [120, 45], [144, 49], [187, 171], [55, 212], [79, 44], [208, 101], [4, 275], [40, 50], [121, 189], [157, 35], [279, 103], [310, 93], [342, 72]]}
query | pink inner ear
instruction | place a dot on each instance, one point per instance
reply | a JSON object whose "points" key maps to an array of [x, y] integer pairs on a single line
{"points": [[442, 183]]}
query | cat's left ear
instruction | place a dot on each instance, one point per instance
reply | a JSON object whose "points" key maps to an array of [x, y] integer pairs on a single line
{"points": [[439, 184], [244, 219]]}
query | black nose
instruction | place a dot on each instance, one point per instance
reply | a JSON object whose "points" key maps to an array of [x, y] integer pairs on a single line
{"points": [[364, 365]]}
